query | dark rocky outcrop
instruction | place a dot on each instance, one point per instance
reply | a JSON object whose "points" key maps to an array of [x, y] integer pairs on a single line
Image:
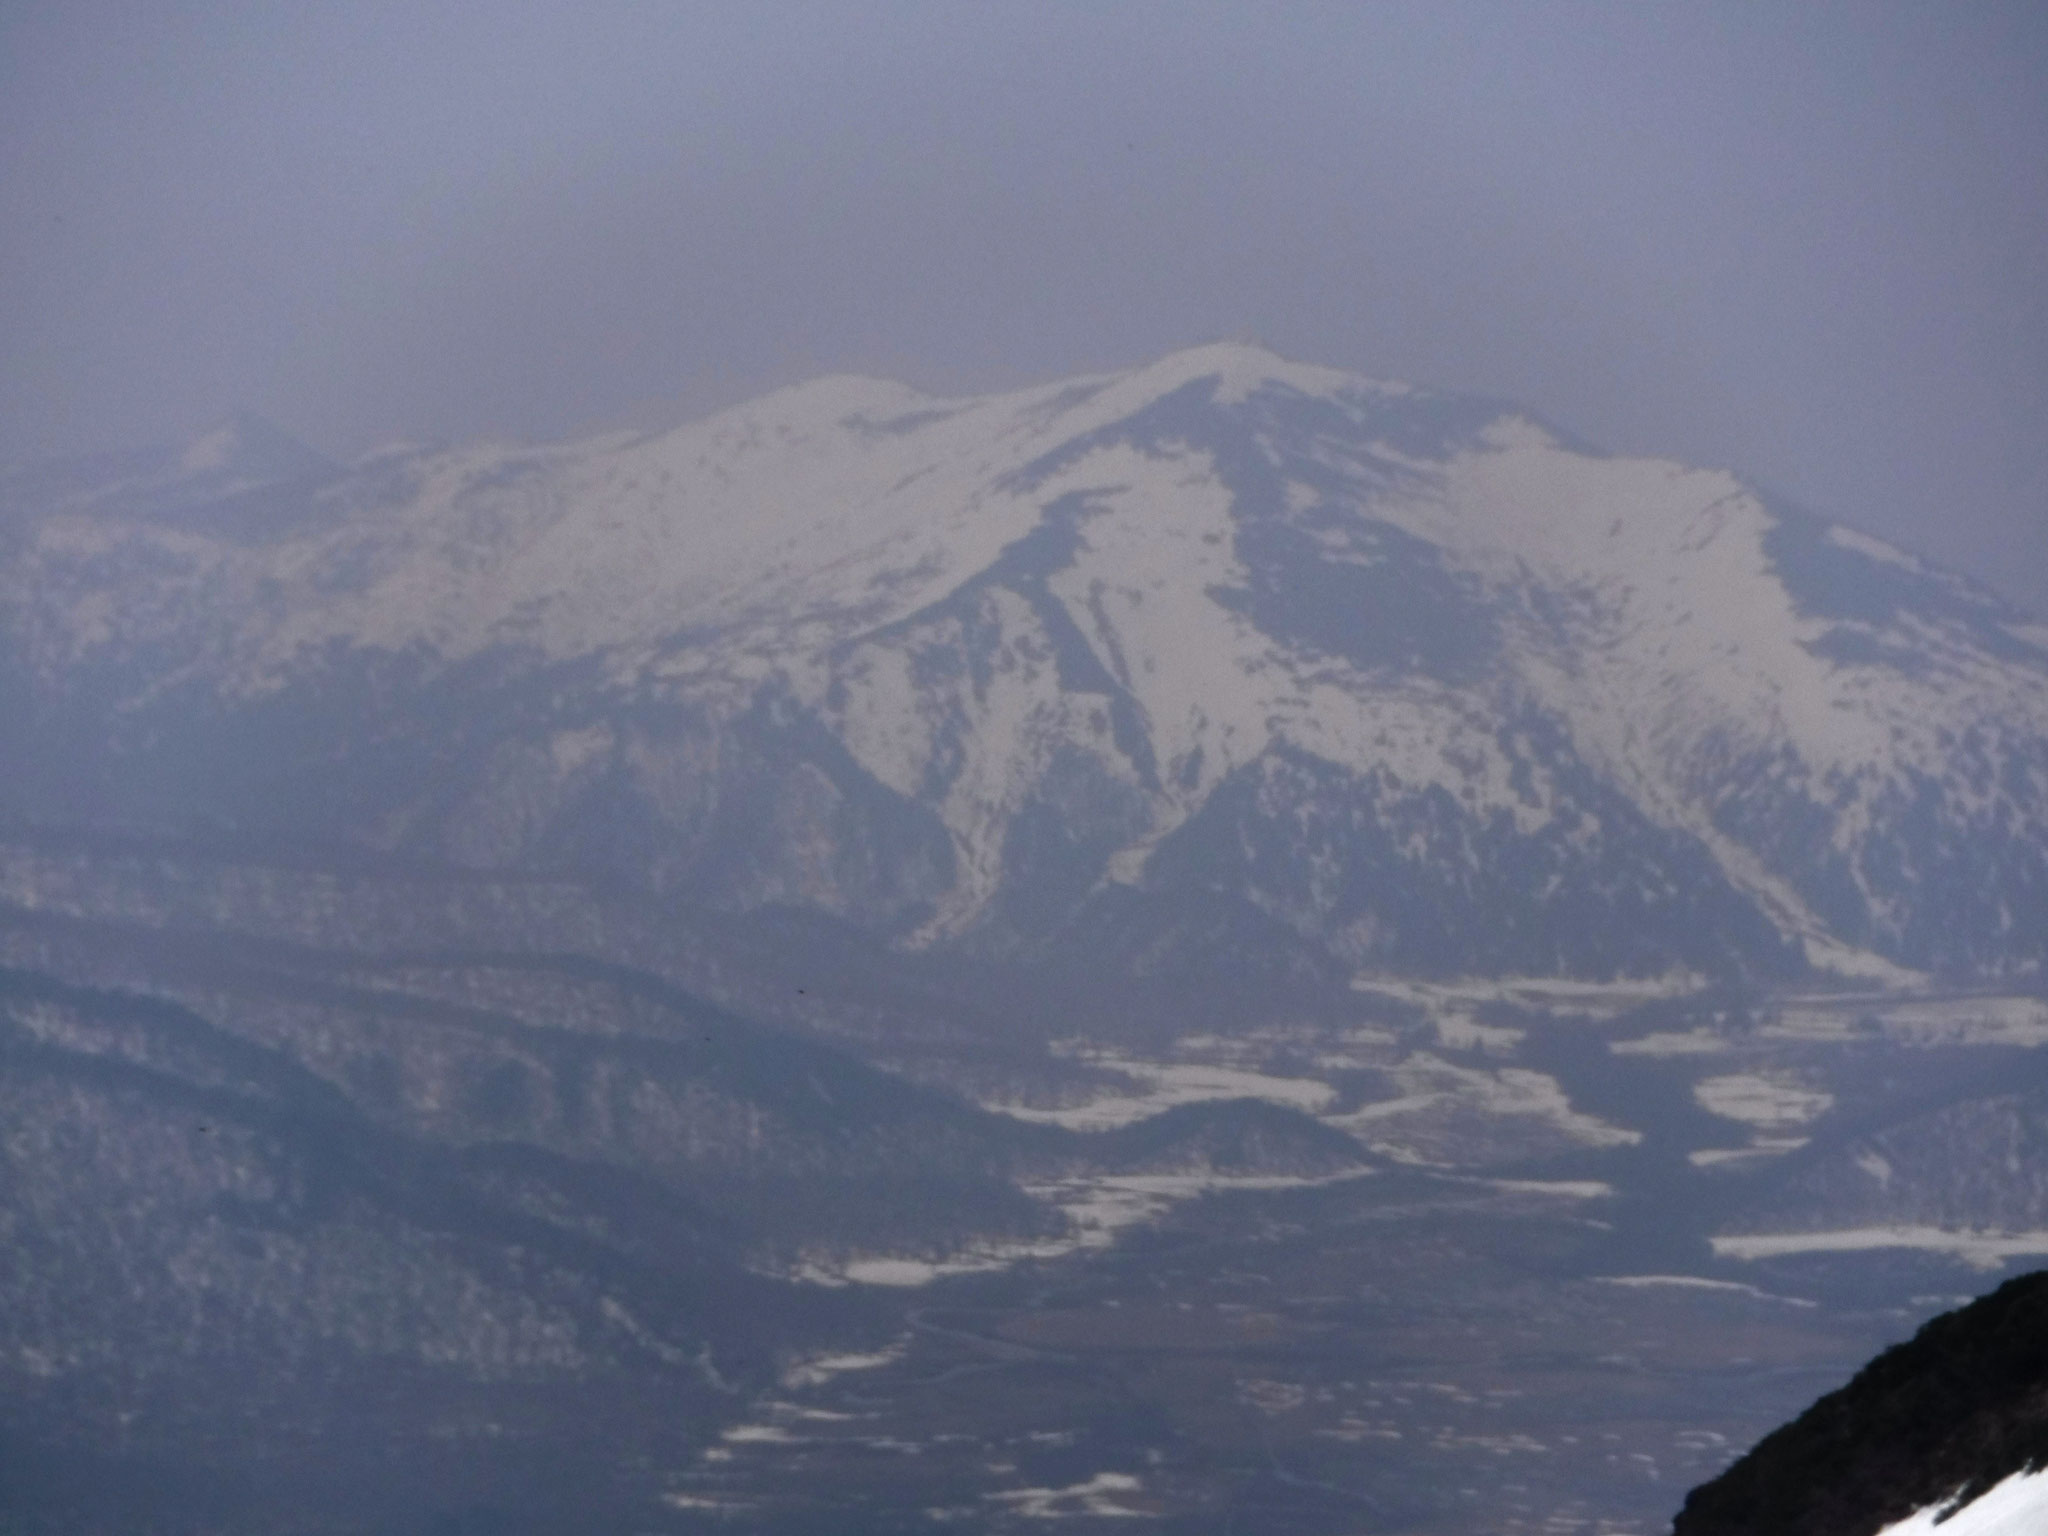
{"points": [[1946, 1416]]}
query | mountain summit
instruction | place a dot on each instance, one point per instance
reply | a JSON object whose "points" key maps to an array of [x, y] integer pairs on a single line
{"points": [[1221, 657]]}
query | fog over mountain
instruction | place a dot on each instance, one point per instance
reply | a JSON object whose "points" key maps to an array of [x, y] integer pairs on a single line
{"points": [[1796, 241], [1227, 936], [815, 768], [1392, 680]]}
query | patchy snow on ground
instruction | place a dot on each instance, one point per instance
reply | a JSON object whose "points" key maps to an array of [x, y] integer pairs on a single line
{"points": [[897, 1270], [1688, 1042], [1456, 1009], [1979, 1249], [1770, 1102], [757, 1434], [1760, 1150], [815, 1370], [1701, 1283], [1972, 1020], [1562, 1189], [1432, 1087], [1106, 1495], [1097, 1209], [1541, 994], [1168, 1084], [1463, 1032]]}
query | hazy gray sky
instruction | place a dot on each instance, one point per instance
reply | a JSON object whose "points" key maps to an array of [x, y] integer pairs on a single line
{"points": [[1804, 240]]}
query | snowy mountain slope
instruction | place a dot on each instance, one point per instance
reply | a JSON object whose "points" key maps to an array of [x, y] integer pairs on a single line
{"points": [[1945, 1432], [2015, 1507], [1222, 645]]}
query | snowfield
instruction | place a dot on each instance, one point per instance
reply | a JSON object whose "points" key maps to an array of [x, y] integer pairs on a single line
{"points": [[2016, 1507]]}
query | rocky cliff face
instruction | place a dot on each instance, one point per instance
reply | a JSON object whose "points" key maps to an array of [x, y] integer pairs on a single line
{"points": [[1226, 651]]}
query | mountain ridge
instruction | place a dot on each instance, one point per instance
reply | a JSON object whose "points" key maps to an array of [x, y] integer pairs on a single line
{"points": [[1408, 675]]}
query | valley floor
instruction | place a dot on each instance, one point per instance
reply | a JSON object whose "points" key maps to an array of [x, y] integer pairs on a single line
{"points": [[1400, 1354], [470, 1183]]}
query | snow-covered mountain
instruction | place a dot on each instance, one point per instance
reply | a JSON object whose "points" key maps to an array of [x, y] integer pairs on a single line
{"points": [[1219, 656]]}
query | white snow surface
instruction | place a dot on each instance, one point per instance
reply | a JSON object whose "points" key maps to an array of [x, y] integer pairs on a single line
{"points": [[1433, 1090], [1977, 1019], [1167, 1084], [815, 1369], [1978, 1249], [1097, 1210], [1101, 1497], [815, 539], [2016, 1507], [1773, 1102]]}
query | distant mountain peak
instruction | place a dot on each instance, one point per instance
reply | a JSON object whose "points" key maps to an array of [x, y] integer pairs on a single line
{"points": [[1401, 677], [248, 449]]}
